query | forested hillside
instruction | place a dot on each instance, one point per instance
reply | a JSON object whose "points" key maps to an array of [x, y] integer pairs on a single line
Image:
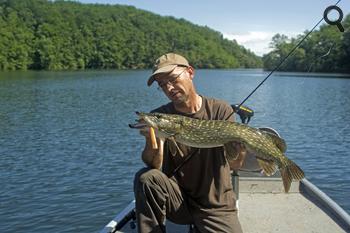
{"points": [[61, 35], [325, 50]]}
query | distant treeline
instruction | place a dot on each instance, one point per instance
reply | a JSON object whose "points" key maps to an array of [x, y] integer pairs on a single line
{"points": [[61, 35], [324, 50]]}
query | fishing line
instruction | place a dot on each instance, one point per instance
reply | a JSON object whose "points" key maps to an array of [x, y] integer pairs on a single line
{"points": [[336, 22], [322, 56]]}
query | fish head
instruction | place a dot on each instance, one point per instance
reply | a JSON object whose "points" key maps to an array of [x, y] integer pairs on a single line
{"points": [[166, 124]]}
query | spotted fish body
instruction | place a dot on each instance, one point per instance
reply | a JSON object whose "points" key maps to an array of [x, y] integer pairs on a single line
{"points": [[268, 148]]}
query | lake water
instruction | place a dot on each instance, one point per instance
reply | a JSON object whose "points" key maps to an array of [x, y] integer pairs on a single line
{"points": [[67, 156]]}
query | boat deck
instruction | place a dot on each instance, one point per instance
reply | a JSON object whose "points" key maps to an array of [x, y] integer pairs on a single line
{"points": [[264, 207]]}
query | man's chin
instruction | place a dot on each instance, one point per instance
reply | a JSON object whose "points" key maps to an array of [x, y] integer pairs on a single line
{"points": [[179, 98]]}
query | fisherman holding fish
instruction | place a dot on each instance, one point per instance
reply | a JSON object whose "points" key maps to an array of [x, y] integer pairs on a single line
{"points": [[183, 184]]}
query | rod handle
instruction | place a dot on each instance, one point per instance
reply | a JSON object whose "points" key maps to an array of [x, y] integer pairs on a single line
{"points": [[153, 138]]}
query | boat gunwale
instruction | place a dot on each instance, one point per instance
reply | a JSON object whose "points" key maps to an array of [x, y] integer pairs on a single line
{"points": [[325, 203]]}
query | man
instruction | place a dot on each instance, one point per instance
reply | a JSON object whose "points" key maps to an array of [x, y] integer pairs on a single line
{"points": [[193, 187]]}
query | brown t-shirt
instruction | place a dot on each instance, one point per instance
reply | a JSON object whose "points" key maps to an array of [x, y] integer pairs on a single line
{"points": [[205, 178]]}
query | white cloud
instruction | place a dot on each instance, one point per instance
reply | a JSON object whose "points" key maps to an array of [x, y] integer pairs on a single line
{"points": [[256, 41]]}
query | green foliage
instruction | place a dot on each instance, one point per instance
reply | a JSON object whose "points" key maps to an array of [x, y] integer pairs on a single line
{"points": [[325, 50], [62, 35]]}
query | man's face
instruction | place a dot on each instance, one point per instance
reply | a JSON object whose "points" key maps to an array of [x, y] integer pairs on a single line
{"points": [[177, 84]]}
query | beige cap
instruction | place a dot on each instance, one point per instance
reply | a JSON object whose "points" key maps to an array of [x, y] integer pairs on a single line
{"points": [[166, 64]]}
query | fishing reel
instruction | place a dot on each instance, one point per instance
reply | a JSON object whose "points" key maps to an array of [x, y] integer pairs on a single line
{"points": [[244, 112]]}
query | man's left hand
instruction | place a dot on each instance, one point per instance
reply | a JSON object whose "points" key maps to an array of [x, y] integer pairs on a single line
{"points": [[241, 154]]}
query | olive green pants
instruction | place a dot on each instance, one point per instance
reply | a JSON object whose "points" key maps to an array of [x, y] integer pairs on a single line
{"points": [[159, 198]]}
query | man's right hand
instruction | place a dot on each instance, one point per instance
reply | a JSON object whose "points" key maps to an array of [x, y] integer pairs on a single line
{"points": [[152, 157]]}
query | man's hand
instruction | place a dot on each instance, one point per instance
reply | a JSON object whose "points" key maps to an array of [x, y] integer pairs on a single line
{"points": [[152, 137], [150, 156], [241, 153]]}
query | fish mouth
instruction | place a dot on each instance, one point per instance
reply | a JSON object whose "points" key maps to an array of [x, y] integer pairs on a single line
{"points": [[143, 121], [138, 125]]}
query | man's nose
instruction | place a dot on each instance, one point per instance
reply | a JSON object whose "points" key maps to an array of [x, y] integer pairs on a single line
{"points": [[169, 86]]}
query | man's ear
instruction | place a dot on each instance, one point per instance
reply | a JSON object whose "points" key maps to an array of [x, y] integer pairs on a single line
{"points": [[191, 72]]}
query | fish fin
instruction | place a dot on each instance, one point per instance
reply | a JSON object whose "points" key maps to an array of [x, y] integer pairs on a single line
{"points": [[172, 147], [231, 151], [290, 172], [278, 141], [286, 178], [177, 148], [295, 171], [269, 167]]}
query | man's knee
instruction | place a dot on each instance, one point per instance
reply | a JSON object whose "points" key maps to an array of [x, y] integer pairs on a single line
{"points": [[145, 176]]}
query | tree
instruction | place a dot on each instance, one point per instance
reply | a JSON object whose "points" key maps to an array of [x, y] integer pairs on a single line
{"points": [[61, 35], [324, 50]]}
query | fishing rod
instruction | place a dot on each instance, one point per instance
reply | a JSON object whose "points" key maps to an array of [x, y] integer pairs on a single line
{"points": [[325, 17]]}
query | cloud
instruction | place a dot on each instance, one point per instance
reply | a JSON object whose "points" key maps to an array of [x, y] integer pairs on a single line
{"points": [[256, 41]]}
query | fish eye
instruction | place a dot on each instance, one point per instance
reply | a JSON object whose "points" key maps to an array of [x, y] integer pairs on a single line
{"points": [[158, 116]]}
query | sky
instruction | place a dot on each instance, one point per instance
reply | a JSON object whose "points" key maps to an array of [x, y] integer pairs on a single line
{"points": [[252, 23]]}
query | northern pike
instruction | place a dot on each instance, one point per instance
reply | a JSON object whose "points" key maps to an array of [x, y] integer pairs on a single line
{"points": [[268, 148]]}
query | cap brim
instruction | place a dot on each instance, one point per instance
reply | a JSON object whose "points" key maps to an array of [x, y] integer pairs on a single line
{"points": [[164, 69]]}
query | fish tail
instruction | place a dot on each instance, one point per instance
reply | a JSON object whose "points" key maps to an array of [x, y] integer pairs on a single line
{"points": [[289, 173]]}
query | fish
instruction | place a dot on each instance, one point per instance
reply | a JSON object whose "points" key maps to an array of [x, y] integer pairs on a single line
{"points": [[268, 148]]}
